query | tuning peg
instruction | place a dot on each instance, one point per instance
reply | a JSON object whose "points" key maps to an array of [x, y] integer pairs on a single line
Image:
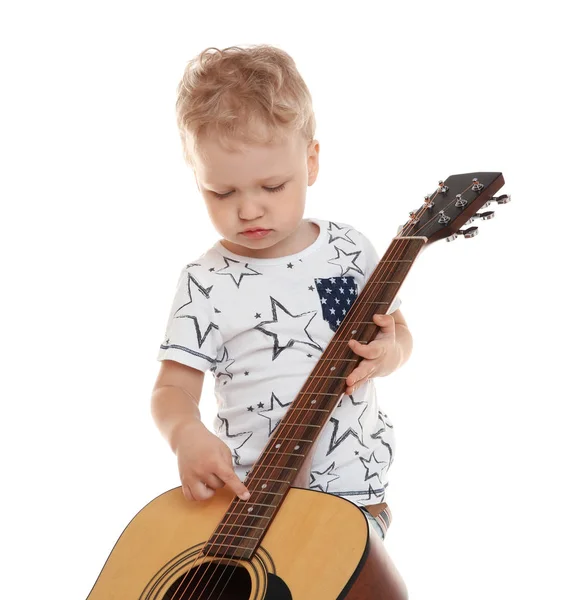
{"points": [[483, 215], [476, 185], [503, 199], [499, 199], [467, 233]]}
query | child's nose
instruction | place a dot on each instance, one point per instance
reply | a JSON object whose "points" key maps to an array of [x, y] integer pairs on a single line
{"points": [[250, 209]]}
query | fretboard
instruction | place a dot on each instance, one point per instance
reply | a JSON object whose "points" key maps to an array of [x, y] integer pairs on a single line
{"points": [[244, 524]]}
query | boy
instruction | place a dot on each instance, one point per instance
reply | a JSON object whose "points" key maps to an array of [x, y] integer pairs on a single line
{"points": [[258, 308]]}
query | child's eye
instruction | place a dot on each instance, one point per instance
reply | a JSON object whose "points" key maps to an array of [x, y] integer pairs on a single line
{"points": [[279, 188]]}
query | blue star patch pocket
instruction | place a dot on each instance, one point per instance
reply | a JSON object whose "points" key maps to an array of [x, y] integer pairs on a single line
{"points": [[337, 294]]}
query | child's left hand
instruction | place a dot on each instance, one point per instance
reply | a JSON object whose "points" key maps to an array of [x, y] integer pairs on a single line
{"points": [[381, 355]]}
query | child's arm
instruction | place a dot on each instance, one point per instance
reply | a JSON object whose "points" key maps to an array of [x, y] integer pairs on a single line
{"points": [[175, 398], [205, 461]]}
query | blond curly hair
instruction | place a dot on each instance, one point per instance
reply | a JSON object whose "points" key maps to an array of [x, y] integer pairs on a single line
{"points": [[250, 95]]}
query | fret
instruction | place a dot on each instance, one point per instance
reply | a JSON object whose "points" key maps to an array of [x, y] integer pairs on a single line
{"points": [[250, 515], [222, 525], [272, 493], [246, 537], [293, 440], [396, 261], [293, 408], [317, 393], [341, 359], [363, 302], [283, 453], [370, 281], [276, 481], [327, 376], [276, 466], [244, 503], [210, 546]]}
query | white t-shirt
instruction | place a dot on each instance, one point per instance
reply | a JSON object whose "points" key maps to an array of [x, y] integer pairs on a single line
{"points": [[260, 325]]}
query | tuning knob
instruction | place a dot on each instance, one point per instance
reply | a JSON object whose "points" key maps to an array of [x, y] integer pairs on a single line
{"points": [[467, 233], [503, 199], [483, 215], [499, 199]]}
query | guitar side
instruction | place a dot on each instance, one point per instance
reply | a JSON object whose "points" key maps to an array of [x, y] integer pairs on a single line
{"points": [[318, 547]]}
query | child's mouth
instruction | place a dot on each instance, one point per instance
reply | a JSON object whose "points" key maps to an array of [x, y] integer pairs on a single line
{"points": [[256, 233]]}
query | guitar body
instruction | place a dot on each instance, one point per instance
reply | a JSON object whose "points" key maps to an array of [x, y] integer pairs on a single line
{"points": [[318, 547]]}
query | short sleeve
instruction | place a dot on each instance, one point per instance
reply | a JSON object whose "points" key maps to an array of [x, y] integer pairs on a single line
{"points": [[371, 261], [192, 336]]}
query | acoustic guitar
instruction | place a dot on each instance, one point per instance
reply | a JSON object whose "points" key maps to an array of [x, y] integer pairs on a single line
{"points": [[287, 542]]}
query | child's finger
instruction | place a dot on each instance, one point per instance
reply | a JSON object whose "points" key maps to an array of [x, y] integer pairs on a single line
{"points": [[233, 482], [369, 351], [213, 482], [198, 490]]}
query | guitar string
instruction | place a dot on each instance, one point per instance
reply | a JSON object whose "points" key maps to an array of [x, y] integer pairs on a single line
{"points": [[355, 311]]}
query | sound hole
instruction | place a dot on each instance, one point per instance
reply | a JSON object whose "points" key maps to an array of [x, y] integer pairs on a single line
{"points": [[213, 581]]}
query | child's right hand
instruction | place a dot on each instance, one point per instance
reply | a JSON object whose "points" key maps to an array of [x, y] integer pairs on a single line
{"points": [[204, 459]]}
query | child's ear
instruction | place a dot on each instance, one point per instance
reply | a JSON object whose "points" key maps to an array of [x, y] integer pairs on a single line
{"points": [[312, 161]]}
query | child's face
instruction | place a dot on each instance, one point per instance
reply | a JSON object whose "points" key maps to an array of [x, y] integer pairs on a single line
{"points": [[245, 177]]}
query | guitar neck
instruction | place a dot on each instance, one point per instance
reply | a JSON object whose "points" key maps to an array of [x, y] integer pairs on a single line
{"points": [[285, 453]]}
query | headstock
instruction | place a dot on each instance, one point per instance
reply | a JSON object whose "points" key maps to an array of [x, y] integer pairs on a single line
{"points": [[455, 203]]}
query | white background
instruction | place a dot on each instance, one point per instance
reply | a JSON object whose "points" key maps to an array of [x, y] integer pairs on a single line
{"points": [[99, 213]]}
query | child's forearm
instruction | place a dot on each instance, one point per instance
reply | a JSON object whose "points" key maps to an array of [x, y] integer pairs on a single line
{"points": [[174, 411], [405, 343]]}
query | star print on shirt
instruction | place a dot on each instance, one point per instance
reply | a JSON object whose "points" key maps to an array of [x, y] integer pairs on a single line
{"points": [[347, 412], [324, 478], [378, 466], [378, 495], [339, 233], [345, 263], [283, 323], [225, 425], [384, 420], [271, 418], [270, 410], [332, 292], [221, 366], [385, 423], [237, 270], [199, 299]]}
